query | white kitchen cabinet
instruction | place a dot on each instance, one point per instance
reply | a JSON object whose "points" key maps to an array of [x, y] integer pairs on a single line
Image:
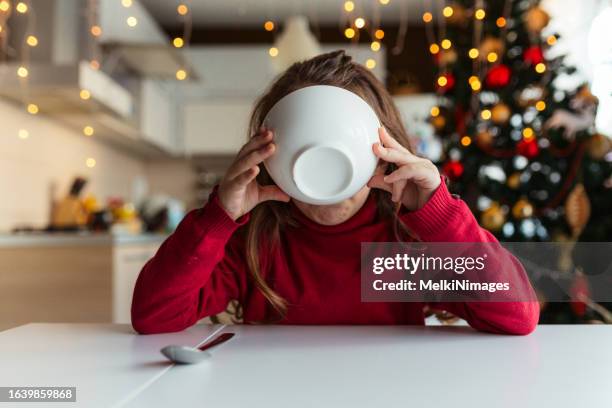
{"points": [[215, 111], [157, 119], [217, 126]]}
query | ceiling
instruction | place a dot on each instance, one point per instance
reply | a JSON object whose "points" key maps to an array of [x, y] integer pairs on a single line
{"points": [[237, 13]]}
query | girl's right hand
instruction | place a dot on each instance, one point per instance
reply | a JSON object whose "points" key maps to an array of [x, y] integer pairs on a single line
{"points": [[238, 191]]}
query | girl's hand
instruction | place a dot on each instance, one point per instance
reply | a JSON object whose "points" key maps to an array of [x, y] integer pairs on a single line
{"points": [[238, 191], [415, 180]]}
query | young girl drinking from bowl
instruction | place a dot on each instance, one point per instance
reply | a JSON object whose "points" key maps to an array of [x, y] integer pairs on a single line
{"points": [[289, 262]]}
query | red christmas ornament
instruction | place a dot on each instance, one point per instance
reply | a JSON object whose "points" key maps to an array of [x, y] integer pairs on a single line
{"points": [[498, 76], [533, 55], [453, 169], [448, 83], [528, 148]]}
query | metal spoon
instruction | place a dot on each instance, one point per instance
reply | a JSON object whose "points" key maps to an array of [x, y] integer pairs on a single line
{"points": [[192, 355]]}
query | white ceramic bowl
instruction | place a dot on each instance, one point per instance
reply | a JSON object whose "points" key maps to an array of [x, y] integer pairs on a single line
{"points": [[324, 136]]}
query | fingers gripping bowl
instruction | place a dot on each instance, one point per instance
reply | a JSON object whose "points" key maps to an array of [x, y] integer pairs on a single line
{"points": [[324, 136]]}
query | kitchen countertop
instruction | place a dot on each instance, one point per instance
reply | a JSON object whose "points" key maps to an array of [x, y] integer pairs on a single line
{"points": [[8, 240]]}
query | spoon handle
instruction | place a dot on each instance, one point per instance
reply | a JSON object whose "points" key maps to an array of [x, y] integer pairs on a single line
{"points": [[222, 338]]}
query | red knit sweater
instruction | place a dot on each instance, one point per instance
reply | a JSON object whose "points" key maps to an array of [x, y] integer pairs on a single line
{"points": [[316, 269]]}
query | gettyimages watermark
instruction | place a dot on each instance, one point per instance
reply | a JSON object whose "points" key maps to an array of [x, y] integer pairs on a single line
{"points": [[486, 271]]}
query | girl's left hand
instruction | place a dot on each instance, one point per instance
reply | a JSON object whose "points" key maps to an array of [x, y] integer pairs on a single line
{"points": [[415, 180]]}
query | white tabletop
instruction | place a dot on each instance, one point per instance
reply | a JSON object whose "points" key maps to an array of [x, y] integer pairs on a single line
{"points": [[106, 363], [289, 366]]}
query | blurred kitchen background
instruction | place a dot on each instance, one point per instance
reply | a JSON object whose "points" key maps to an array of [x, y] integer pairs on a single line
{"points": [[118, 116]]}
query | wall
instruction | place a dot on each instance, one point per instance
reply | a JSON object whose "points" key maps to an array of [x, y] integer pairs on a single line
{"points": [[46, 162]]}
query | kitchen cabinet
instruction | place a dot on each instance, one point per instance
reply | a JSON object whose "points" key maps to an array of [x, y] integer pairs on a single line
{"points": [[214, 112], [157, 119], [71, 279]]}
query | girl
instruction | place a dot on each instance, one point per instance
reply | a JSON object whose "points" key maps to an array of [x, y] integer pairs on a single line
{"points": [[295, 263]]}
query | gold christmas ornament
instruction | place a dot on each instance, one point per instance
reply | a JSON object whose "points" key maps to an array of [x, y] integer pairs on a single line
{"points": [[484, 139], [439, 122], [577, 209], [522, 209], [585, 98], [491, 45], [514, 181], [536, 19], [500, 114], [598, 146], [493, 218]]}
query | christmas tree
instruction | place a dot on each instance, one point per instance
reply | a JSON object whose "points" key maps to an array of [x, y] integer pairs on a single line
{"points": [[519, 142]]}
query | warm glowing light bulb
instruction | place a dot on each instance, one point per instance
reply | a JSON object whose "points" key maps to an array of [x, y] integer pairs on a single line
{"points": [[466, 141], [540, 68], [370, 63], [473, 53], [375, 46], [96, 30], [1, 28], [540, 106], [88, 131], [359, 22], [492, 57], [442, 81], [475, 83], [182, 9], [485, 114], [94, 64], [435, 111], [446, 43], [427, 17], [528, 133], [384, 2], [132, 21], [22, 72], [501, 22], [126, 3], [178, 42], [4, 5], [551, 40], [269, 25], [447, 11], [273, 51], [21, 7], [349, 6], [379, 34], [32, 41], [349, 33], [90, 162], [84, 94], [23, 134], [434, 48], [32, 108], [181, 74], [480, 14]]}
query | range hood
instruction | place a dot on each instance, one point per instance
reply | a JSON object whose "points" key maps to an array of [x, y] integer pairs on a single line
{"points": [[59, 70]]}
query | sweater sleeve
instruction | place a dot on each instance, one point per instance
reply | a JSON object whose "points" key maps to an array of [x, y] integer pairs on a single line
{"points": [[448, 219], [194, 274]]}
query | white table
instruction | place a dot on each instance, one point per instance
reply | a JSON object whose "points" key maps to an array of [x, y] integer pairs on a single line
{"points": [[289, 366]]}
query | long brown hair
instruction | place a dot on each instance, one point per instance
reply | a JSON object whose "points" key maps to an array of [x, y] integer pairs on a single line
{"points": [[335, 69]]}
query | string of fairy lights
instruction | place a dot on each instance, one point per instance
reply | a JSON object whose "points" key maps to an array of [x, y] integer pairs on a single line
{"points": [[353, 25], [30, 40]]}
